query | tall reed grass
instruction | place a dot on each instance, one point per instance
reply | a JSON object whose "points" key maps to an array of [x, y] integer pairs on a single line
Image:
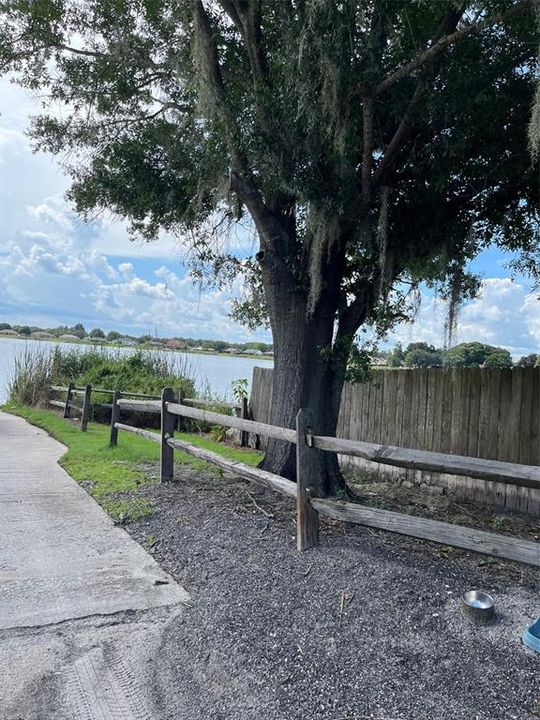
{"points": [[143, 371], [31, 375]]}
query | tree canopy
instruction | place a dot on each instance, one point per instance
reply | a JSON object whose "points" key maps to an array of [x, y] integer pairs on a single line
{"points": [[422, 354], [476, 354], [371, 144]]}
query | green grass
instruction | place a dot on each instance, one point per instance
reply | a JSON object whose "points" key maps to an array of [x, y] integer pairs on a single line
{"points": [[106, 471]]}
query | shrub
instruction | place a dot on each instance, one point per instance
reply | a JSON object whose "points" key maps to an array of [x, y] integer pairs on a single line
{"points": [[31, 376]]}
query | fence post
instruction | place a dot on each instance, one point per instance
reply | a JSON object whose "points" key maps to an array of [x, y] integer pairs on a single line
{"points": [[67, 408], [115, 417], [167, 430], [244, 437], [307, 518], [86, 407], [179, 418]]}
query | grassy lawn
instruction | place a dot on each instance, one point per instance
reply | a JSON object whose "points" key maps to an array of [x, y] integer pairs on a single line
{"points": [[108, 472]]}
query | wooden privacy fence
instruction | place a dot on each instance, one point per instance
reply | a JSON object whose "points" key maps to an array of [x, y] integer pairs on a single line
{"points": [[482, 413], [309, 507]]}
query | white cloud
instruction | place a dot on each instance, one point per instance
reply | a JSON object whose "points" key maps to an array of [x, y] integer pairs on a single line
{"points": [[59, 273], [505, 314]]}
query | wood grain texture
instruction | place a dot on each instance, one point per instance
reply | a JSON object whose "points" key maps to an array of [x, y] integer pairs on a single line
{"points": [[229, 421], [307, 518], [501, 546], [511, 473], [269, 480]]}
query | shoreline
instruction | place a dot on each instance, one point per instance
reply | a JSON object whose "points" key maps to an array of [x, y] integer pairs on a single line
{"points": [[240, 355]]}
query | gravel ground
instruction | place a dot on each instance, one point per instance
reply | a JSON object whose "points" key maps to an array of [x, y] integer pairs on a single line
{"points": [[265, 638]]}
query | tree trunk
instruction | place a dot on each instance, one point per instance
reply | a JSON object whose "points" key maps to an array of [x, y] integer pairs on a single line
{"points": [[305, 375]]}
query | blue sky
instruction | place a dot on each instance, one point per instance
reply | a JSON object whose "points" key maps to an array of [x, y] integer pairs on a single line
{"points": [[55, 269]]}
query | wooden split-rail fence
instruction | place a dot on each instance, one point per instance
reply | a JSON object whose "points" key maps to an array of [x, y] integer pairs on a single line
{"points": [[130, 401], [308, 506]]}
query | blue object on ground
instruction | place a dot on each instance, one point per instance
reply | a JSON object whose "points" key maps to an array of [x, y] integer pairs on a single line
{"points": [[531, 636]]}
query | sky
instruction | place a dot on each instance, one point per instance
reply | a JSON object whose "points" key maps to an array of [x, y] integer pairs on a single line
{"points": [[56, 269]]}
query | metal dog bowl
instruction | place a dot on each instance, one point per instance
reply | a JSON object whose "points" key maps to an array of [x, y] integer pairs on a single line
{"points": [[478, 607]]}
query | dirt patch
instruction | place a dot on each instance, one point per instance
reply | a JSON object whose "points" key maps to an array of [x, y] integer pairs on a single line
{"points": [[366, 626]]}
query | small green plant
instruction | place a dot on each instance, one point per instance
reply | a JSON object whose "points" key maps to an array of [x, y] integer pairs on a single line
{"points": [[535, 709], [218, 433], [126, 510], [499, 522], [239, 389], [150, 540]]}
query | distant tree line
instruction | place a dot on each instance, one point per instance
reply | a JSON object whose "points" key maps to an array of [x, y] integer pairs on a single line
{"points": [[471, 354], [99, 335]]}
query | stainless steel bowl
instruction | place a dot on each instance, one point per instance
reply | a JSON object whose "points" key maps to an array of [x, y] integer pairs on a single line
{"points": [[478, 607]]}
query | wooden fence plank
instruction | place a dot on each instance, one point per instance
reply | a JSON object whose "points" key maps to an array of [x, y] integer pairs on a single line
{"points": [[494, 405], [148, 434], [446, 415], [526, 415], [456, 411], [67, 406], [474, 413], [115, 417], [485, 413], [86, 408], [501, 546], [217, 418], [511, 473], [307, 518], [274, 482], [148, 406], [166, 472]]}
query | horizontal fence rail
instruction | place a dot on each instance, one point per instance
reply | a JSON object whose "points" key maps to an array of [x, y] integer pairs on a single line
{"points": [[274, 482], [150, 406], [211, 403], [502, 546], [148, 434], [208, 416], [494, 470]]}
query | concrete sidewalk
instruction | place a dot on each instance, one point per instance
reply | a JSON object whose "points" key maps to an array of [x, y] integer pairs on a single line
{"points": [[63, 559]]}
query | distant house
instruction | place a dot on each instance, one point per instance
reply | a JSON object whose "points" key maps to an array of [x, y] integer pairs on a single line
{"points": [[69, 338], [198, 349], [268, 352], [9, 333], [126, 341], [175, 344], [41, 335], [232, 351]]}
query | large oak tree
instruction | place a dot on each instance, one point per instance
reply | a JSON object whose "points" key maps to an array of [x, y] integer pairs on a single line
{"points": [[372, 143]]}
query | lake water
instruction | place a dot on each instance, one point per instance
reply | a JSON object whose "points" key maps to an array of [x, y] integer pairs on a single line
{"points": [[217, 371]]}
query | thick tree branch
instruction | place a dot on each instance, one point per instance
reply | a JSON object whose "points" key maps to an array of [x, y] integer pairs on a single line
{"points": [[271, 233], [440, 46], [357, 312], [367, 152], [402, 133], [447, 25], [246, 17]]}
